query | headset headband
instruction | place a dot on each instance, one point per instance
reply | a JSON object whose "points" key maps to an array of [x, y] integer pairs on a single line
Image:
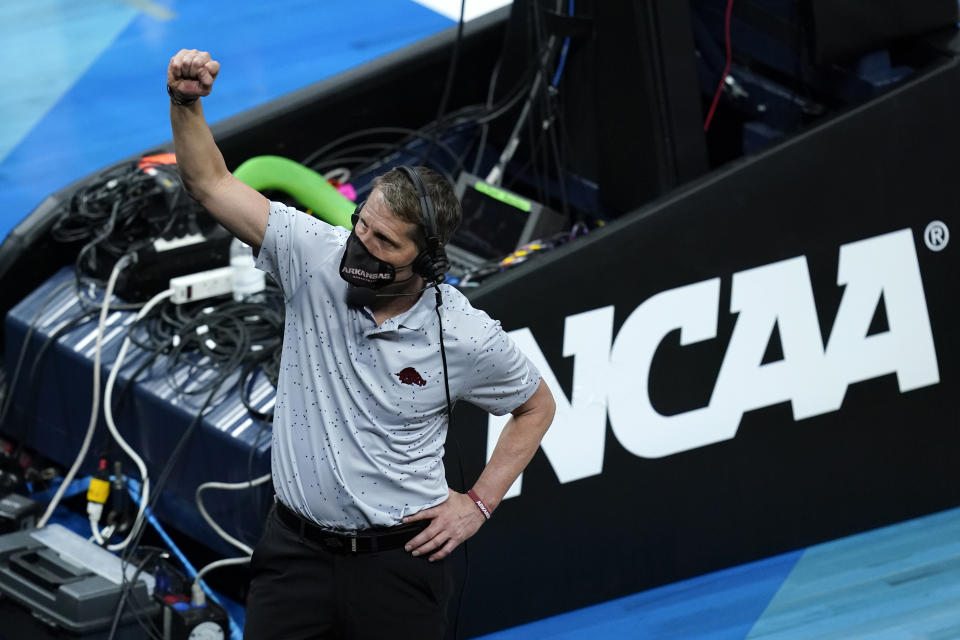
{"points": [[426, 204], [432, 263]]}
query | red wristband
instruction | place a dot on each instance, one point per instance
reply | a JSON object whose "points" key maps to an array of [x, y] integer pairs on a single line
{"points": [[477, 501]]}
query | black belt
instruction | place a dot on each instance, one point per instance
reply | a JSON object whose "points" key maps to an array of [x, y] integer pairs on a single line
{"points": [[364, 541]]}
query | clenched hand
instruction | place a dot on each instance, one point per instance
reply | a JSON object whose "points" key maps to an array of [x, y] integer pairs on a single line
{"points": [[191, 73]]}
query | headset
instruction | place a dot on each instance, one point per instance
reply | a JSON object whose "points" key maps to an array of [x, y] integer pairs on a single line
{"points": [[431, 263]]}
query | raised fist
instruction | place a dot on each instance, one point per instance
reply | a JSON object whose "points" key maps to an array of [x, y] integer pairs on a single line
{"points": [[191, 73]]}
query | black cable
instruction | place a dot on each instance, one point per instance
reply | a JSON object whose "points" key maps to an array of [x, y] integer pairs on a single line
{"points": [[470, 115], [126, 590], [11, 388], [235, 327], [243, 389], [463, 481], [128, 385], [261, 418], [405, 131], [448, 84], [114, 214], [69, 325], [242, 334], [156, 491], [561, 174], [443, 352], [120, 398], [483, 113], [168, 468], [564, 153], [79, 262], [480, 114], [536, 149], [547, 105], [485, 127], [27, 430], [121, 210], [538, 127], [261, 427], [452, 69]]}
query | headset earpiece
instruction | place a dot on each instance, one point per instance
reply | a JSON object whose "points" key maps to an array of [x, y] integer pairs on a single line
{"points": [[432, 263]]}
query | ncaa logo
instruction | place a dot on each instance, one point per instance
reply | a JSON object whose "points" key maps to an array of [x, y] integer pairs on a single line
{"points": [[611, 375]]}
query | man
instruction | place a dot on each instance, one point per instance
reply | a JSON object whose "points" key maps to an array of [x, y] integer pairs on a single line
{"points": [[364, 518]]}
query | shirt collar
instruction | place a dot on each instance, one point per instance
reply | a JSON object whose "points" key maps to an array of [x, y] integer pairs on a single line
{"points": [[413, 318]]}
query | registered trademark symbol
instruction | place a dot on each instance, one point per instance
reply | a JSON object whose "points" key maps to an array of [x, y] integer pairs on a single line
{"points": [[936, 236]]}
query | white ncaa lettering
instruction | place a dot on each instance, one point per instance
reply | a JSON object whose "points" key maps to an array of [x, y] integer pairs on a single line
{"points": [[575, 442], [883, 266], [692, 309], [880, 270]]}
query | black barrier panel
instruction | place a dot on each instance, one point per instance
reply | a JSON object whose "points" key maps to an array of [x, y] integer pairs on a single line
{"points": [[650, 474]]}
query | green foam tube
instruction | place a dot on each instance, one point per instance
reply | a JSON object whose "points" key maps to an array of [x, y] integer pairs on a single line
{"points": [[304, 184]]}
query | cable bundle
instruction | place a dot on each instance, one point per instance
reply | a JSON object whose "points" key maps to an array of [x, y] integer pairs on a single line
{"points": [[123, 210], [111, 213], [365, 152], [206, 342]]}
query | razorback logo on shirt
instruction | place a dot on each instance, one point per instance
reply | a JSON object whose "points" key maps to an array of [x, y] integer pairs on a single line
{"points": [[411, 376]]}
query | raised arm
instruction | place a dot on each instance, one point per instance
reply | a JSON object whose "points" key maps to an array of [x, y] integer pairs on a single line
{"points": [[242, 210]]}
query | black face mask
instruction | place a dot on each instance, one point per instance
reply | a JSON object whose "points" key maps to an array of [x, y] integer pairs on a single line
{"points": [[361, 268]]}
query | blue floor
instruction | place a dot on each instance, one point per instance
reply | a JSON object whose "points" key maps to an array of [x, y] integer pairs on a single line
{"points": [[723, 605], [91, 90], [894, 583]]}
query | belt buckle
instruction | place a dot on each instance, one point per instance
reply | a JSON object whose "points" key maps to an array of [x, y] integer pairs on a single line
{"points": [[337, 543], [332, 543]]}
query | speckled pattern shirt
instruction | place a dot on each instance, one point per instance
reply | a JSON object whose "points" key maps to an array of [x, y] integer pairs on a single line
{"points": [[360, 419]]}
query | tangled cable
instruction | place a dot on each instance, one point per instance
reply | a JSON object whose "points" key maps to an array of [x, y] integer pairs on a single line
{"points": [[121, 210], [206, 342]]}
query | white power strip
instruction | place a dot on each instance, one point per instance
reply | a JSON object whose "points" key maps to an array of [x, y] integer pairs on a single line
{"points": [[205, 284]]}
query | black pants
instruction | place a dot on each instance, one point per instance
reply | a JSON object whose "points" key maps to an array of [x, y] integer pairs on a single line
{"points": [[301, 590]]}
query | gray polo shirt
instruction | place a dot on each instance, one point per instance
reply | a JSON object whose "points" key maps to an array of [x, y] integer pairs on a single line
{"points": [[360, 419]]}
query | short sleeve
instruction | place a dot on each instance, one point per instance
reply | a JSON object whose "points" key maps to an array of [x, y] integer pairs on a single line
{"points": [[296, 243], [500, 377]]}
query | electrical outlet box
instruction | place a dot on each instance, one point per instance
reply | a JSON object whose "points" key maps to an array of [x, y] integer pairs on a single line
{"points": [[205, 284]]}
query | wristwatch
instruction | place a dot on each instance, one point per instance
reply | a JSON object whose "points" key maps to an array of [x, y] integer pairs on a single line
{"points": [[177, 98]]}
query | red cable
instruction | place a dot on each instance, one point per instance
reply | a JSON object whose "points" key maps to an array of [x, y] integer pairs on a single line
{"points": [[726, 68]]}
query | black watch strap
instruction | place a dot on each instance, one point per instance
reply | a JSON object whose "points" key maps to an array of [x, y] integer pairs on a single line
{"points": [[178, 98]]}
